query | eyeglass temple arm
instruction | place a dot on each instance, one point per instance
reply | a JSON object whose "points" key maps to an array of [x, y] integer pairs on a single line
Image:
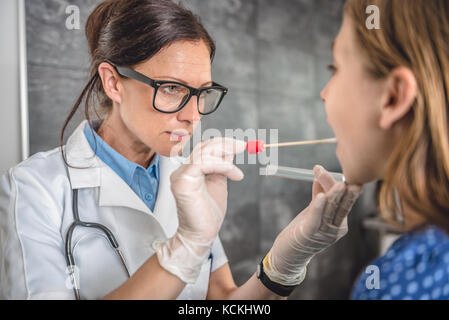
{"points": [[130, 73]]}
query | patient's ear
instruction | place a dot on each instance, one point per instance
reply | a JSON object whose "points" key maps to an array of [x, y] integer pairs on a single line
{"points": [[400, 95]]}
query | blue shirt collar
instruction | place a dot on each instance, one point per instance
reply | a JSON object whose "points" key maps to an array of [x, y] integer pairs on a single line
{"points": [[122, 166]]}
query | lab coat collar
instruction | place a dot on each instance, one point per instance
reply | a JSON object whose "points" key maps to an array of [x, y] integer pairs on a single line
{"points": [[84, 165], [125, 168], [88, 171]]}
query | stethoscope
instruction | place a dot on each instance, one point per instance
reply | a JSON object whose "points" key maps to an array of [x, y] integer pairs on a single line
{"points": [[68, 243], [71, 265]]}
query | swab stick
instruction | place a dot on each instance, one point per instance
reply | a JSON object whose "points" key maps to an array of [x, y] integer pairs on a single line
{"points": [[301, 143], [257, 146]]}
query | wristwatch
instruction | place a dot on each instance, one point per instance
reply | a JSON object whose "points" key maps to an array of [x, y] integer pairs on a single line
{"points": [[279, 289]]}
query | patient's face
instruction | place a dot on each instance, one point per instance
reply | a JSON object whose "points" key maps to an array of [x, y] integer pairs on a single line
{"points": [[352, 100]]}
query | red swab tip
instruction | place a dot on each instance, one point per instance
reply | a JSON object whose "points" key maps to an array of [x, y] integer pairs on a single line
{"points": [[255, 146]]}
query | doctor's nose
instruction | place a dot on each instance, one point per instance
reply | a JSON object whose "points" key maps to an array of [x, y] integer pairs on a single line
{"points": [[190, 111]]}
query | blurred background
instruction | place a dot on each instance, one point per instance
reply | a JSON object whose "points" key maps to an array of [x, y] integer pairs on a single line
{"points": [[271, 54]]}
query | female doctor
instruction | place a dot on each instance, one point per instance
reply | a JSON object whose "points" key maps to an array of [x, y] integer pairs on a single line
{"points": [[111, 215]]}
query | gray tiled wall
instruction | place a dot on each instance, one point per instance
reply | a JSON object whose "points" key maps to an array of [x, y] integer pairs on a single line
{"points": [[272, 54]]}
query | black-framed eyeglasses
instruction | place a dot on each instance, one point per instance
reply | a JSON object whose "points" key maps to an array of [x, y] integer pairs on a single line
{"points": [[172, 96]]}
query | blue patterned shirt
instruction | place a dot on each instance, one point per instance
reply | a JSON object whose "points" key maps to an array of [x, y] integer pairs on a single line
{"points": [[416, 267], [144, 182]]}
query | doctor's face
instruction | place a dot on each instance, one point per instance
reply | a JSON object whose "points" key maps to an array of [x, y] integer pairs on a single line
{"points": [[183, 61], [353, 103]]}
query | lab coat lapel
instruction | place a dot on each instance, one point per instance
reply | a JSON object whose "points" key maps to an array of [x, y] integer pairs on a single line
{"points": [[114, 191], [88, 171]]}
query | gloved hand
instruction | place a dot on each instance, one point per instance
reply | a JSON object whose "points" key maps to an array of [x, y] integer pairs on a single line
{"points": [[317, 227], [200, 190]]}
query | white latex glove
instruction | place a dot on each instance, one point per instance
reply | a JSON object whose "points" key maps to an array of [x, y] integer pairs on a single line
{"points": [[200, 190], [316, 228]]}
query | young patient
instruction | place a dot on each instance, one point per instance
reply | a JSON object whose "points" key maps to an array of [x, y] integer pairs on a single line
{"points": [[387, 103]]}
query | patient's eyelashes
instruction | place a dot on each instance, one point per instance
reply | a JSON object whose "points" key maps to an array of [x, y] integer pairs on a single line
{"points": [[332, 69]]}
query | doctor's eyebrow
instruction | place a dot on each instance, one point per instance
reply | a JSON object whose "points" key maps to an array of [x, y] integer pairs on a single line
{"points": [[333, 46], [208, 83]]}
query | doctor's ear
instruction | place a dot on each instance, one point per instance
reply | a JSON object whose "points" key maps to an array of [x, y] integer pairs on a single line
{"points": [[110, 81], [400, 96]]}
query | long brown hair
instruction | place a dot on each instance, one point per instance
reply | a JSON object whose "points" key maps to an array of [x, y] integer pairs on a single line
{"points": [[414, 34], [126, 33]]}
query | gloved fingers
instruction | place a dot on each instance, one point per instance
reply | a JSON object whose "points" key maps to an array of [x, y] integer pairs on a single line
{"points": [[334, 197], [323, 235], [304, 241], [214, 166], [212, 157], [348, 200], [225, 148], [208, 166], [198, 152], [332, 233], [316, 188], [324, 180], [309, 221]]}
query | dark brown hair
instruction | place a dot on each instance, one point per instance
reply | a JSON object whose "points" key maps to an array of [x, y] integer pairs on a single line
{"points": [[128, 32]]}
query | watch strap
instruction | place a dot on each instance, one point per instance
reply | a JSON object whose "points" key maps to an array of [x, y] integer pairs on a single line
{"points": [[279, 289]]}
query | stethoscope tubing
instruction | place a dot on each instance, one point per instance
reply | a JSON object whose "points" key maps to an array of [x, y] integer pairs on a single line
{"points": [[68, 243]]}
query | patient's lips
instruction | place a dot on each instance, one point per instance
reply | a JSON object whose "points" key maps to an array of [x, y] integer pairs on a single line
{"points": [[255, 146]]}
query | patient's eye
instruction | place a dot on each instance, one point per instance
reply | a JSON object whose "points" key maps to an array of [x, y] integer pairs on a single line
{"points": [[332, 69]]}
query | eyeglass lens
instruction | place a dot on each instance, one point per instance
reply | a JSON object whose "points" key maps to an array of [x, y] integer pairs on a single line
{"points": [[171, 96]]}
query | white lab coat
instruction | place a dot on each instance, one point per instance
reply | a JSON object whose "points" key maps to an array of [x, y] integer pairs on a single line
{"points": [[36, 212]]}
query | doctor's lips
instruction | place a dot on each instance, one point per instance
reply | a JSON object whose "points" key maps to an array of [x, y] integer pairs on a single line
{"points": [[178, 135]]}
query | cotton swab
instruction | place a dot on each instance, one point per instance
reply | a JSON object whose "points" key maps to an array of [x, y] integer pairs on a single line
{"points": [[257, 146]]}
